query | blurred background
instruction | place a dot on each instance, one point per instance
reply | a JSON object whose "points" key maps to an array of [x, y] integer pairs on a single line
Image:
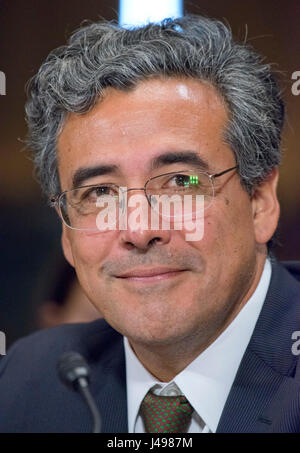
{"points": [[35, 283]]}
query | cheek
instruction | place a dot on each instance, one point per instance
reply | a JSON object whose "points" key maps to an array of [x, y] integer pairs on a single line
{"points": [[234, 229], [90, 249], [209, 228], [227, 228]]}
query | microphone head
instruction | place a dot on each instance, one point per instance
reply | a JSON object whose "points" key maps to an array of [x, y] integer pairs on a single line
{"points": [[71, 367]]}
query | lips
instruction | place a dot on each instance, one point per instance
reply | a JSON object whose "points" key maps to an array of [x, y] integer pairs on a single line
{"points": [[150, 273]]}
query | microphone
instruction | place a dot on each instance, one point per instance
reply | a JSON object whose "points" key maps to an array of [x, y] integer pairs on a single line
{"points": [[74, 372]]}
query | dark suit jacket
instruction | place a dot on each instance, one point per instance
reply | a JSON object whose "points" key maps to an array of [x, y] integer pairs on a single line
{"points": [[265, 396]]}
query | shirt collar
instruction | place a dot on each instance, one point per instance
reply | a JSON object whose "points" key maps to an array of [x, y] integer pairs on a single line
{"points": [[206, 382]]}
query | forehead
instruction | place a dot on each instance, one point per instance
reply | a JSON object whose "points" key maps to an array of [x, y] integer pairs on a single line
{"points": [[131, 128]]}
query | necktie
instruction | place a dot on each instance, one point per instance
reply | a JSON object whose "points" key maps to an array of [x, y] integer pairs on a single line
{"points": [[166, 414]]}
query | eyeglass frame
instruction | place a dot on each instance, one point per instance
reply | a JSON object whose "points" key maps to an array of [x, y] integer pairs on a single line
{"points": [[54, 199]]}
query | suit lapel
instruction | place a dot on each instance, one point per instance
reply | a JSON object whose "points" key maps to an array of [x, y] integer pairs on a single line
{"points": [[111, 397], [265, 378], [108, 385], [254, 389]]}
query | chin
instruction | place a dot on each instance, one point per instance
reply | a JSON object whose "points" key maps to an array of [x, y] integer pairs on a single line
{"points": [[158, 335]]}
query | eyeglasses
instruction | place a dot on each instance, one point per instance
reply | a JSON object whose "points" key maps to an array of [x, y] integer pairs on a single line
{"points": [[80, 207]]}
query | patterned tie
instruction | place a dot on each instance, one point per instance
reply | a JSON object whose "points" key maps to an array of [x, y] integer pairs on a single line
{"points": [[166, 414]]}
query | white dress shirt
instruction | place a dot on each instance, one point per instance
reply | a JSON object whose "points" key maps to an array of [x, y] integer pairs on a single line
{"points": [[205, 382]]}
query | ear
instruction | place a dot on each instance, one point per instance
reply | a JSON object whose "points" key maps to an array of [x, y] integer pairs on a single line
{"points": [[265, 208], [66, 244]]}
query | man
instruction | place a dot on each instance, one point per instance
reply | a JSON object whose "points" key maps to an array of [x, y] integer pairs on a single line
{"points": [[203, 326]]}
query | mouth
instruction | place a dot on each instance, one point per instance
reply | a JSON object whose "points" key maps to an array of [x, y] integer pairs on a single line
{"points": [[151, 275]]}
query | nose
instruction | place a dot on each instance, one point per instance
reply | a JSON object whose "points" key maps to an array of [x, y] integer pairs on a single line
{"points": [[141, 225], [143, 240]]}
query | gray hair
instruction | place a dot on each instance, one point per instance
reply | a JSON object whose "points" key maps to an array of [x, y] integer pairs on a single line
{"points": [[100, 55]]}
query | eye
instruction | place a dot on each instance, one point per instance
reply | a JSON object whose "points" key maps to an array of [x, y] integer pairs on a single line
{"points": [[93, 193], [182, 180]]}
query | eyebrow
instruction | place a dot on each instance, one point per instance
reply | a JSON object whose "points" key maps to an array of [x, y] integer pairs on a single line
{"points": [[167, 158], [85, 173], [184, 157]]}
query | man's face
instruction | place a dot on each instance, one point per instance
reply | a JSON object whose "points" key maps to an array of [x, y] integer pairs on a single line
{"points": [[154, 286]]}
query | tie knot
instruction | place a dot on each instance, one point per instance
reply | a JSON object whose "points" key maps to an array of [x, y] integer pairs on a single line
{"points": [[166, 414]]}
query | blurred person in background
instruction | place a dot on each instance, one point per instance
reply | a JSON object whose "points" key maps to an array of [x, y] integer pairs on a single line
{"points": [[63, 300]]}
